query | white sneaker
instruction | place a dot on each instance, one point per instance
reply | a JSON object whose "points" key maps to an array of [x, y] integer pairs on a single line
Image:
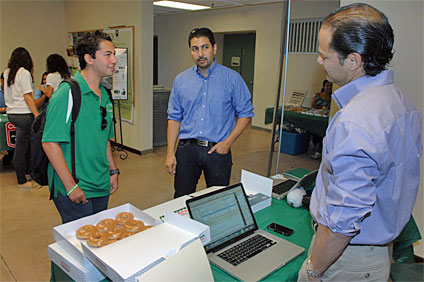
{"points": [[25, 187], [35, 185], [316, 156]]}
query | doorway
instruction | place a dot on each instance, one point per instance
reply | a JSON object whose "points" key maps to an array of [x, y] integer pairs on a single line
{"points": [[239, 55]]}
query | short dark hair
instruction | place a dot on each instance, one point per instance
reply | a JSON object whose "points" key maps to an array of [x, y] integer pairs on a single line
{"points": [[2, 77], [89, 44], [199, 32], [56, 63], [361, 28]]}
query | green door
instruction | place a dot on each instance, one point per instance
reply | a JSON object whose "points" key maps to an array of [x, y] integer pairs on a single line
{"points": [[239, 55]]}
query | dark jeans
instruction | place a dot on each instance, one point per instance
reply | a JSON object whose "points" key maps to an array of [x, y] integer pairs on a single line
{"points": [[192, 159], [22, 157], [70, 211]]}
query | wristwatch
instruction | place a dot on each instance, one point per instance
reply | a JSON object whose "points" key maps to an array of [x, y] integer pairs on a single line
{"points": [[114, 171], [310, 272]]}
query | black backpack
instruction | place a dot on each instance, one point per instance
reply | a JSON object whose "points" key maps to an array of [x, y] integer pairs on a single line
{"points": [[39, 160]]}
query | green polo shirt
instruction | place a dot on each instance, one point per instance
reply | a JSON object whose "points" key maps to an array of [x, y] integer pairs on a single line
{"points": [[92, 165]]}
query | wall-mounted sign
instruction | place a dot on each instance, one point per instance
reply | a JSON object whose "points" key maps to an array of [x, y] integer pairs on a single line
{"points": [[235, 61]]}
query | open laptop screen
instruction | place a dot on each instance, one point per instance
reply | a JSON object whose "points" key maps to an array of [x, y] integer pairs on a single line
{"points": [[225, 211]]}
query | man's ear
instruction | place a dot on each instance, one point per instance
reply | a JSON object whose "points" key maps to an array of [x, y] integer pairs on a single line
{"points": [[88, 59], [354, 61], [214, 49]]}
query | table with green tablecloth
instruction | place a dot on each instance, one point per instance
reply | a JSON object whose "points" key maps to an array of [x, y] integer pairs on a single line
{"points": [[313, 124], [4, 126], [280, 212]]}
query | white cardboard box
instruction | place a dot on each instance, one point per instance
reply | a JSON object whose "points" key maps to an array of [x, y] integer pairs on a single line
{"points": [[177, 205], [127, 259], [72, 267], [190, 265], [253, 185], [65, 234]]}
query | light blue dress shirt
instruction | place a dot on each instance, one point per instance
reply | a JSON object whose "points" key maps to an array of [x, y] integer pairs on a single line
{"points": [[370, 170], [206, 107]]}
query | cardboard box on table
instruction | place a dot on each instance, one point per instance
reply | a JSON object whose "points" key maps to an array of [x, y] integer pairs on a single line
{"points": [[258, 189], [69, 265], [127, 259]]}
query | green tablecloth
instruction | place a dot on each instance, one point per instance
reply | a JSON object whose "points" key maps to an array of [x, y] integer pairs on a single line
{"points": [[316, 125], [3, 133]]}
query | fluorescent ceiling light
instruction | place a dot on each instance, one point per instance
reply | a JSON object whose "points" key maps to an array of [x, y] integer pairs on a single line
{"points": [[179, 5]]}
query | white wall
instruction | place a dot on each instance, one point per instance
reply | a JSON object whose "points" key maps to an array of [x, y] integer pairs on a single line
{"points": [[37, 26], [101, 14], [266, 21], [406, 18]]}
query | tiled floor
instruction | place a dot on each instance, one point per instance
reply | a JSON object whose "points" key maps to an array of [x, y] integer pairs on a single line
{"points": [[28, 218]]}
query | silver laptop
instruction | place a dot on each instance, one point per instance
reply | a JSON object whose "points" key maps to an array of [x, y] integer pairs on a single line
{"points": [[281, 188], [237, 246]]}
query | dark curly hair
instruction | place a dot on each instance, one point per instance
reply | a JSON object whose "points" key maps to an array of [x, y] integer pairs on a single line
{"points": [[199, 32], [89, 44], [361, 28], [56, 63], [20, 58]]}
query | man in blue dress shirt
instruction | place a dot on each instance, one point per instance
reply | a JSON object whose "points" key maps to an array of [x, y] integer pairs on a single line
{"points": [[202, 110], [369, 175]]}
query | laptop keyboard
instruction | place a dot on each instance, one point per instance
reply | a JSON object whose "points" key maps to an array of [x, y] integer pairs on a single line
{"points": [[283, 186], [246, 249]]}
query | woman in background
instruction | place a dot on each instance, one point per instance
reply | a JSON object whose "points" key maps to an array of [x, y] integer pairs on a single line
{"points": [[322, 101], [21, 110], [57, 70], [39, 96]]}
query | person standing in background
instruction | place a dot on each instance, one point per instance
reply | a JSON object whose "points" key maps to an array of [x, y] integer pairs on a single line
{"points": [[39, 92], [21, 110], [369, 175], [202, 110], [2, 103], [57, 70]]}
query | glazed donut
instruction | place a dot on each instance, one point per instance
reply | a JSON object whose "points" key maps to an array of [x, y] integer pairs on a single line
{"points": [[106, 224], [97, 239], [134, 225], [85, 231], [115, 233], [123, 217]]}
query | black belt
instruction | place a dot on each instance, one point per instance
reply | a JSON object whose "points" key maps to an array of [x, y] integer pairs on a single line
{"points": [[199, 142]]}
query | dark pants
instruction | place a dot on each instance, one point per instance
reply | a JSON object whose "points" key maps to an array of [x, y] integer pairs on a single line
{"points": [[22, 156], [192, 159], [70, 211]]}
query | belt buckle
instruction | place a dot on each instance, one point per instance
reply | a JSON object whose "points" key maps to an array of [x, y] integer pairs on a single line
{"points": [[202, 143]]}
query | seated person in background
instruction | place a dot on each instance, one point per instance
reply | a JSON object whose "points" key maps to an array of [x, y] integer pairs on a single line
{"points": [[57, 70], [41, 90], [321, 100], [2, 103]]}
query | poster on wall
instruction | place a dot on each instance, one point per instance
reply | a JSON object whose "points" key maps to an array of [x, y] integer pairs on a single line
{"points": [[120, 76], [123, 39]]}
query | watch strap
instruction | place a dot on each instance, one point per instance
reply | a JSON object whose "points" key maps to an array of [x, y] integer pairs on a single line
{"points": [[114, 171], [310, 272]]}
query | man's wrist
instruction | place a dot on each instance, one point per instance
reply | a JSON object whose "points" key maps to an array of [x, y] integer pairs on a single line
{"points": [[114, 171], [310, 272]]}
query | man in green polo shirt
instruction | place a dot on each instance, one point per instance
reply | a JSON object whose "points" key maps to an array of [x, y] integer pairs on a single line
{"points": [[95, 167]]}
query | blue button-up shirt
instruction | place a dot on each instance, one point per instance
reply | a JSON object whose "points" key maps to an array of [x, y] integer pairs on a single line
{"points": [[369, 175], [206, 107]]}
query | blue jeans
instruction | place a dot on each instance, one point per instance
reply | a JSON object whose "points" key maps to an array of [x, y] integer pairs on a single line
{"points": [[70, 211], [192, 159], [22, 156]]}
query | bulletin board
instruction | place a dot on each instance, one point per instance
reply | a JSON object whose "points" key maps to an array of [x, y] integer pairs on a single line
{"points": [[123, 38]]}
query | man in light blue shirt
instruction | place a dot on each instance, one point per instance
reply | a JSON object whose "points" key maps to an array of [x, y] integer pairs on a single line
{"points": [[2, 103], [202, 107], [369, 175]]}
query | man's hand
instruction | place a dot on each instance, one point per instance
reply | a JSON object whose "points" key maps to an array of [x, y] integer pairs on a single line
{"points": [[77, 196], [221, 148], [113, 183], [171, 164]]}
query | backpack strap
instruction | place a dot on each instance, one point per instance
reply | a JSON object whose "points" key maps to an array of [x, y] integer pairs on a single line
{"points": [[76, 105]]}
